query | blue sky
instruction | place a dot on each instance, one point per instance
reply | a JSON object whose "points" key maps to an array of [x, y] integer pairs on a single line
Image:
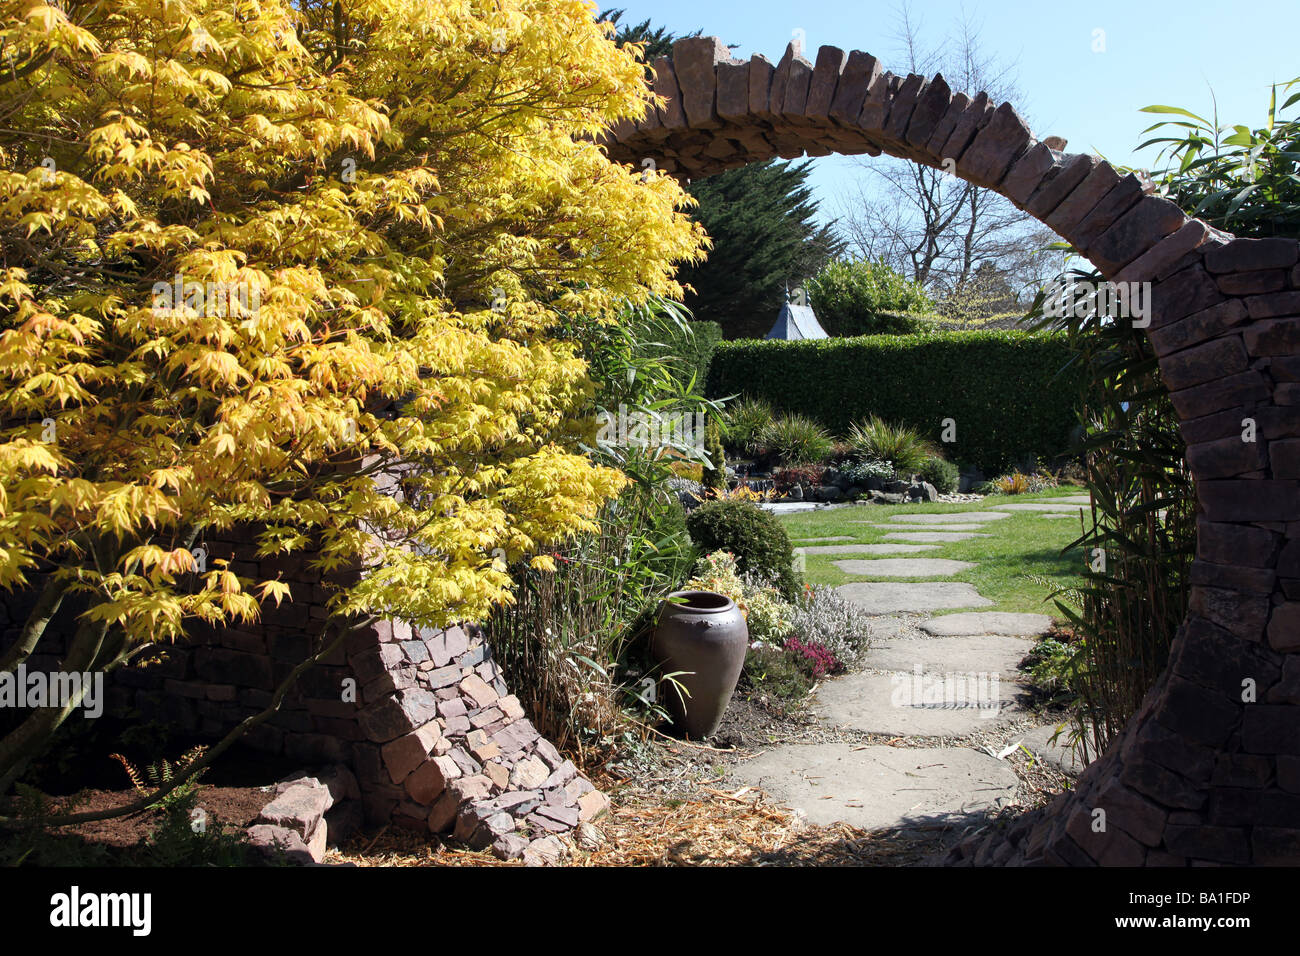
{"points": [[1174, 54]]}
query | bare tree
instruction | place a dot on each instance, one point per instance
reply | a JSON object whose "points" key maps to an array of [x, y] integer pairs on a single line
{"points": [[926, 223]]}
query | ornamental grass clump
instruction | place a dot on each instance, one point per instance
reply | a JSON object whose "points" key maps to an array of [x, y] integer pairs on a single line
{"points": [[746, 420], [796, 440], [877, 440]]}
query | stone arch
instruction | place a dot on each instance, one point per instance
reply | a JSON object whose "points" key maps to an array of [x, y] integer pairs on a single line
{"points": [[1199, 774]]}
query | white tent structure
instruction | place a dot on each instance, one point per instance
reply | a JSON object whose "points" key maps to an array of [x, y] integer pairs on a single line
{"points": [[796, 322]]}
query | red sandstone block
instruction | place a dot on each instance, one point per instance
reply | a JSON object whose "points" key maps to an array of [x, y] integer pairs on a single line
{"points": [[1241, 255], [1248, 500], [1284, 629]]}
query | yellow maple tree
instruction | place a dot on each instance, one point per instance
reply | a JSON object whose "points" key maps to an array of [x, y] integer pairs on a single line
{"points": [[299, 265]]}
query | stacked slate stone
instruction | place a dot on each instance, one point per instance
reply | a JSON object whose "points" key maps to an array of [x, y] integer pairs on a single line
{"points": [[457, 751]]}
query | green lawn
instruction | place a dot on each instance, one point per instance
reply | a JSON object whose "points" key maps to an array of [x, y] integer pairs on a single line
{"points": [[1021, 546]]}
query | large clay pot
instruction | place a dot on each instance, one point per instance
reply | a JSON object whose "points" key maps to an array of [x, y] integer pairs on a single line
{"points": [[701, 637]]}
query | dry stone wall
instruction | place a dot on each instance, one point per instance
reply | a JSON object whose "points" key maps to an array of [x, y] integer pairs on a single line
{"points": [[423, 718], [1208, 771]]}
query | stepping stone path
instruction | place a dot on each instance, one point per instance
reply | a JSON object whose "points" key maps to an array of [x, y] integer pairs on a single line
{"points": [[1069, 500], [956, 677], [988, 622], [866, 549], [874, 787], [887, 597], [904, 567], [933, 537]]}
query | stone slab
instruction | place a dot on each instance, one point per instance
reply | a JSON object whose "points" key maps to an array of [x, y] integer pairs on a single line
{"points": [[1042, 506], [1060, 754], [988, 653], [881, 787], [988, 622], [904, 567], [917, 704], [954, 517], [887, 597], [933, 537], [946, 527], [787, 507], [1069, 500], [866, 549]]}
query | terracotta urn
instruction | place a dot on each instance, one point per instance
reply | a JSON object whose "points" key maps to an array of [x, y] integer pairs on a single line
{"points": [[700, 638]]}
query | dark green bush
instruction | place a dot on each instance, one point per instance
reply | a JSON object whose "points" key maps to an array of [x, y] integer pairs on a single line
{"points": [[1010, 393], [753, 535], [944, 475]]}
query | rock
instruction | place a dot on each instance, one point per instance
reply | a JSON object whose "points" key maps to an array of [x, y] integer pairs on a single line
{"points": [[509, 846], [588, 837], [546, 851], [302, 808], [887, 498], [923, 491], [829, 493], [897, 486], [591, 805], [273, 840]]}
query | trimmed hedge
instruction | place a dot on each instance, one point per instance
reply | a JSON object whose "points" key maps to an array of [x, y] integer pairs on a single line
{"points": [[1009, 392], [704, 342]]}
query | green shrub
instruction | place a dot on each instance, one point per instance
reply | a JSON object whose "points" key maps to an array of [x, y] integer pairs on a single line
{"points": [[754, 536], [746, 419], [940, 473], [797, 440], [861, 297], [902, 447], [775, 672], [1009, 393], [714, 476]]}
